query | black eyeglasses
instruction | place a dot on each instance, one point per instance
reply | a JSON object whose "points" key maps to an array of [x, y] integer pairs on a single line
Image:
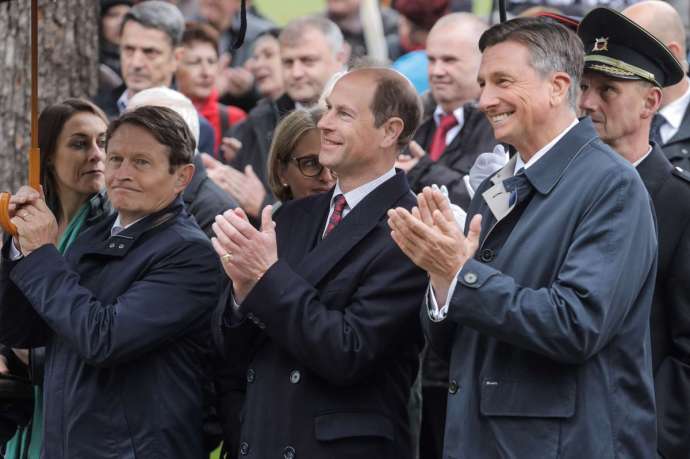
{"points": [[308, 165]]}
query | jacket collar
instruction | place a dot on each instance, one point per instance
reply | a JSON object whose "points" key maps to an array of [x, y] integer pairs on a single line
{"points": [[654, 170], [545, 173], [102, 243], [283, 105], [99, 208], [314, 264], [190, 192]]}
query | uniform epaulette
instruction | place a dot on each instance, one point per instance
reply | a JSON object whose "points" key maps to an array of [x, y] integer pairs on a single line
{"points": [[681, 173]]}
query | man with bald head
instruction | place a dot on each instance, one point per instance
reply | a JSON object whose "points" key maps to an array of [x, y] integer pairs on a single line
{"points": [[455, 132], [671, 127], [323, 306]]}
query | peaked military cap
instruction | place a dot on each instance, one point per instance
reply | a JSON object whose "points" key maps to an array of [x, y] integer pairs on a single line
{"points": [[620, 48]]}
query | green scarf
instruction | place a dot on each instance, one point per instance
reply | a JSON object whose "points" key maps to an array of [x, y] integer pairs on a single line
{"points": [[17, 445]]}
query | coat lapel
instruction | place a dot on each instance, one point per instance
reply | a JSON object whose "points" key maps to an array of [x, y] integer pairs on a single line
{"points": [[654, 170], [545, 173], [118, 246], [304, 221], [358, 223], [497, 197]]}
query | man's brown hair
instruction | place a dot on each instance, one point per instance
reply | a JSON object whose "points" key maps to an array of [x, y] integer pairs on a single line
{"points": [[166, 126]]}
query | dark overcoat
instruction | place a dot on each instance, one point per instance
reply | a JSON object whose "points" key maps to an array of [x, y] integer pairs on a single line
{"points": [[669, 188], [548, 328], [475, 137], [332, 335]]}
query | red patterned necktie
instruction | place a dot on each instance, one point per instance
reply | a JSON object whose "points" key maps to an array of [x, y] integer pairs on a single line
{"points": [[438, 144], [339, 204]]}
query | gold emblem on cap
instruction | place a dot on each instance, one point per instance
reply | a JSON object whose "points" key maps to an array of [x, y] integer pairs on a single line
{"points": [[601, 44]]}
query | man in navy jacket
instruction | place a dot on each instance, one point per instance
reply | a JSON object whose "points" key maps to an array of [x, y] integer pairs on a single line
{"points": [[125, 312]]}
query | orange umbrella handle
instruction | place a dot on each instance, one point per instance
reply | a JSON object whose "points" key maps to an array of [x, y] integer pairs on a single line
{"points": [[34, 152], [5, 222]]}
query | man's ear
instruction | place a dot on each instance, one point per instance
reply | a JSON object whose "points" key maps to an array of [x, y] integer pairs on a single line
{"points": [[184, 174], [178, 53], [344, 55], [392, 129], [560, 83], [677, 52], [652, 101]]}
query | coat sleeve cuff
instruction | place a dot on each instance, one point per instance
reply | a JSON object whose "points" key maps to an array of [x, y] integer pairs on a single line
{"points": [[27, 267]]}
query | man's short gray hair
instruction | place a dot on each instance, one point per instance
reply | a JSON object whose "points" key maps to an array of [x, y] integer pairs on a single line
{"points": [[156, 14], [552, 47], [293, 33]]}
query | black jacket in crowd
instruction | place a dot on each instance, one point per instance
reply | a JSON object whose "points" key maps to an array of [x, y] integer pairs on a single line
{"points": [[677, 148], [256, 133], [475, 137], [669, 188]]}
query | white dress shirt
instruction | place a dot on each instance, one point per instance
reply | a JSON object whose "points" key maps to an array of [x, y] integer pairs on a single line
{"points": [[122, 102], [673, 113], [637, 163], [437, 314], [459, 114], [118, 227]]}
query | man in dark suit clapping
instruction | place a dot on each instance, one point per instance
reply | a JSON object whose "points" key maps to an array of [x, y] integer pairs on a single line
{"points": [[325, 306]]}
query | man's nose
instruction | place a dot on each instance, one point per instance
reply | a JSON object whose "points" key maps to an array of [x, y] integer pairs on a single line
{"points": [[586, 101], [297, 70], [487, 98], [436, 68], [138, 58]]}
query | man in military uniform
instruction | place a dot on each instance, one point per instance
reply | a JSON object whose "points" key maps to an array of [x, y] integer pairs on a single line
{"points": [[625, 69]]}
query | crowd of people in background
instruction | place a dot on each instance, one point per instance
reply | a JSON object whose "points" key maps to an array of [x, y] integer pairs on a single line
{"points": [[382, 230]]}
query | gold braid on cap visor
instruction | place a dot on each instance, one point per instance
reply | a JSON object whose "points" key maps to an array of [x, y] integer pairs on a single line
{"points": [[615, 66]]}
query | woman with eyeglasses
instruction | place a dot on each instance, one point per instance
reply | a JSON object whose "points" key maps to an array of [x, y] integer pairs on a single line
{"points": [[294, 171]]}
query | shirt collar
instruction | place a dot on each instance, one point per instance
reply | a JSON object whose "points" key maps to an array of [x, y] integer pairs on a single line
{"points": [[459, 114], [520, 164], [674, 112], [355, 196], [118, 227], [123, 101], [637, 163]]}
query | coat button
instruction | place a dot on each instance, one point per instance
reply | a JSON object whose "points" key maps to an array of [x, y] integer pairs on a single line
{"points": [[111, 245], [250, 316], [244, 448], [295, 376], [453, 387], [251, 375], [685, 151], [289, 453], [487, 255], [470, 278], [121, 246]]}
